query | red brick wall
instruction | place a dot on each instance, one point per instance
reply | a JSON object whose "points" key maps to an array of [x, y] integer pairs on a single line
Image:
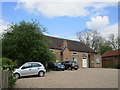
{"points": [[110, 61]]}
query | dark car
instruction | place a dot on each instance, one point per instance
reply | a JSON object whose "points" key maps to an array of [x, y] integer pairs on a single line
{"points": [[70, 65], [57, 67]]}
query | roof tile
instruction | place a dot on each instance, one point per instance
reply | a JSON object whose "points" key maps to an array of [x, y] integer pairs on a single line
{"points": [[111, 53], [56, 43]]}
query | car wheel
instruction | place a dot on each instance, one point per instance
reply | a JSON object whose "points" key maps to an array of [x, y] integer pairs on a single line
{"points": [[76, 68], [17, 76], [41, 74]]}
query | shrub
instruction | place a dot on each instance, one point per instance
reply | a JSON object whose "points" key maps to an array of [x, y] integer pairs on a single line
{"points": [[9, 65]]}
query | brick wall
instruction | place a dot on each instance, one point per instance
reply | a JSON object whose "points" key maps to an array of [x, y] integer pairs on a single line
{"points": [[110, 61], [93, 63]]}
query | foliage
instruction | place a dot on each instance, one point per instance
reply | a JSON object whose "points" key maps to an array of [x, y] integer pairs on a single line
{"points": [[25, 42], [100, 44], [104, 48], [8, 64], [91, 38], [11, 81]]}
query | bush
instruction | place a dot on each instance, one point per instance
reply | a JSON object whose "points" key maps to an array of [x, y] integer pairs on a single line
{"points": [[9, 65]]}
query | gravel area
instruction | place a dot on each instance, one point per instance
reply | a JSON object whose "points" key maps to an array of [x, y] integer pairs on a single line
{"points": [[82, 78]]}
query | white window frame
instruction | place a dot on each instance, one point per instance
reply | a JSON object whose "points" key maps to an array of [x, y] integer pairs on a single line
{"points": [[84, 55], [52, 50], [74, 52], [98, 60]]}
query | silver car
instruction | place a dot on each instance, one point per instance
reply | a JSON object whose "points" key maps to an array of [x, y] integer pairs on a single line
{"points": [[30, 68]]}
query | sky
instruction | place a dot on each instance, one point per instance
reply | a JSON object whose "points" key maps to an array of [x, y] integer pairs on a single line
{"points": [[63, 19]]}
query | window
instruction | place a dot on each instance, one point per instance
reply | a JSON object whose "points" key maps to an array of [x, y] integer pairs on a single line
{"points": [[36, 65], [74, 53], [27, 65], [97, 60], [52, 50], [84, 55]]}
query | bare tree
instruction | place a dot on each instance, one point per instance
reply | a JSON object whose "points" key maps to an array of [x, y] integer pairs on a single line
{"points": [[113, 41], [91, 38]]}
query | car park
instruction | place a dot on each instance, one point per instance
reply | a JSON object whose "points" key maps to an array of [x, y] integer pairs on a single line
{"points": [[30, 68], [69, 65]]}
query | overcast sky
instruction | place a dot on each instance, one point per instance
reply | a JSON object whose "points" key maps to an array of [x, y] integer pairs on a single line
{"points": [[63, 19]]}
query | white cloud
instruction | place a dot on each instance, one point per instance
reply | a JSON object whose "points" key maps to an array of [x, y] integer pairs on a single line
{"points": [[102, 25], [3, 26], [111, 29], [60, 8], [98, 22]]}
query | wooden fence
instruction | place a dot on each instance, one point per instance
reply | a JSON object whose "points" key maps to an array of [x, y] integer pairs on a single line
{"points": [[4, 76]]}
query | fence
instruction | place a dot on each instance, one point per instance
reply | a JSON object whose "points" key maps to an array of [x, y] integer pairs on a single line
{"points": [[4, 76], [0, 80]]}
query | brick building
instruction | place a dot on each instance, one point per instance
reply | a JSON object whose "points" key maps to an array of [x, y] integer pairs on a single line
{"points": [[69, 50], [111, 58]]}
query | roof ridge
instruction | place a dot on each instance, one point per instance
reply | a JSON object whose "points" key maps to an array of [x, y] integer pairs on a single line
{"points": [[62, 38]]}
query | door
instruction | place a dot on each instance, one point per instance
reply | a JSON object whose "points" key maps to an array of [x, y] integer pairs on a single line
{"points": [[36, 68], [26, 69], [84, 62]]}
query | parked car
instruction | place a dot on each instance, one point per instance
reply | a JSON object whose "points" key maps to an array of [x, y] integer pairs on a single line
{"points": [[57, 67], [70, 65], [30, 68]]}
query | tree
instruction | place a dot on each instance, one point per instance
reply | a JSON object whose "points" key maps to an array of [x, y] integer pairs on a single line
{"points": [[113, 41], [91, 38], [104, 48], [25, 42]]}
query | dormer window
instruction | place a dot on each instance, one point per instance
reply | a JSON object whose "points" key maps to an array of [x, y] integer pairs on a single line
{"points": [[74, 53]]}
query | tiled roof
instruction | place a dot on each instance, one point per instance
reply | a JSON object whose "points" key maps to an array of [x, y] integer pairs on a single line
{"points": [[111, 53], [56, 43]]}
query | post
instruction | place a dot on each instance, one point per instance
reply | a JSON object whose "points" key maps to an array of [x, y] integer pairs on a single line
{"points": [[5, 77]]}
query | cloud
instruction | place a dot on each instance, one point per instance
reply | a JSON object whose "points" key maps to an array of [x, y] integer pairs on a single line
{"points": [[102, 25], [111, 29], [55, 9], [97, 23], [3, 26]]}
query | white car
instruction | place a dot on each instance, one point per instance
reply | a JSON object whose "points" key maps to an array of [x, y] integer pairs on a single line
{"points": [[30, 68]]}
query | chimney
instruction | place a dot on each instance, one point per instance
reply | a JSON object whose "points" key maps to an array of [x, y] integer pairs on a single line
{"points": [[65, 43]]}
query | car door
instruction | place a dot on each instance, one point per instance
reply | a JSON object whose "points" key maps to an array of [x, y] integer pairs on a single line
{"points": [[26, 69], [36, 68]]}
